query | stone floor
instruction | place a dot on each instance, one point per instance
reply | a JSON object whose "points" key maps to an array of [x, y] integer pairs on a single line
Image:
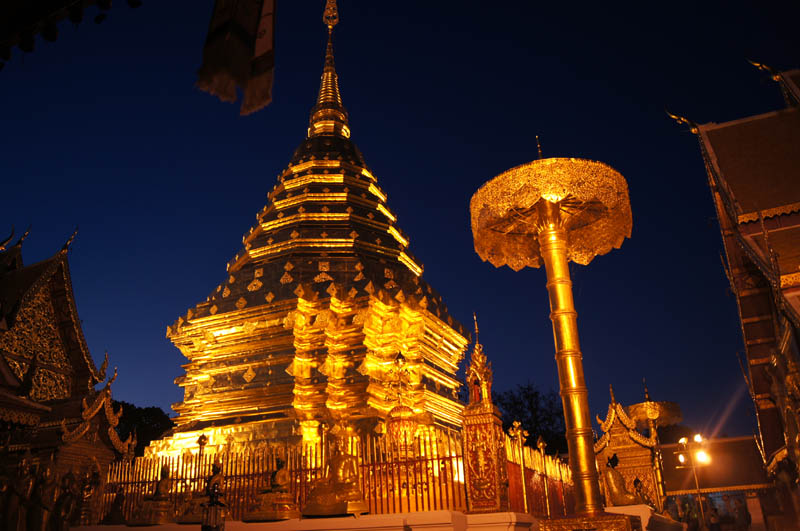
{"points": [[432, 520]]}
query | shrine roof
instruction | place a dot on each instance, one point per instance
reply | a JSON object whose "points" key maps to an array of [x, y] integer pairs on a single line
{"points": [[757, 158], [16, 283]]}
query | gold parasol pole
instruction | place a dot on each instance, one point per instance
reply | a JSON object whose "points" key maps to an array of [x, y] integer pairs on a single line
{"points": [[574, 395]]}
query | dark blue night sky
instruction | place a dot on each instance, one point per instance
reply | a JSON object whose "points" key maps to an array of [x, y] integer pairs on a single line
{"points": [[104, 129]]}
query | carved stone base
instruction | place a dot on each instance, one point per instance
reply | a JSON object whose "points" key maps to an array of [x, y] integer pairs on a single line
{"points": [[650, 519], [601, 522], [191, 511], [355, 508], [273, 506], [153, 512]]}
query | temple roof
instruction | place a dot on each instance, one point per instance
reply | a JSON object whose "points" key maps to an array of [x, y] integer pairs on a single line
{"points": [[42, 291], [758, 159], [326, 228]]}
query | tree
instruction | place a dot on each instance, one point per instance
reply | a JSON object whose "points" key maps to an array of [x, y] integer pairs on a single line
{"points": [[673, 433], [149, 422], [540, 413]]}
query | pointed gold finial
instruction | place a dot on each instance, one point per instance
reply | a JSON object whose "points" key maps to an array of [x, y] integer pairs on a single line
{"points": [[773, 74], [65, 248], [331, 15], [682, 120], [329, 117], [539, 146], [475, 318], [5, 242], [611, 391], [646, 392], [24, 235]]}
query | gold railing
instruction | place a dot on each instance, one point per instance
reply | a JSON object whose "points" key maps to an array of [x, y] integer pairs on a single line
{"points": [[425, 474], [547, 489]]}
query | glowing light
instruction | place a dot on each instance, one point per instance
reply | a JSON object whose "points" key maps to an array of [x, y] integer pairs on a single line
{"points": [[698, 438], [702, 457], [227, 331], [553, 198], [683, 440], [383, 210], [374, 190], [681, 458]]}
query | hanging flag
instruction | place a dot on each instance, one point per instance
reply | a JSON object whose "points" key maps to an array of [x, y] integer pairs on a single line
{"points": [[239, 52]]}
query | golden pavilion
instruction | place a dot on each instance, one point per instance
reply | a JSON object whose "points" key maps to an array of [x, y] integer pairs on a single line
{"points": [[317, 311]]}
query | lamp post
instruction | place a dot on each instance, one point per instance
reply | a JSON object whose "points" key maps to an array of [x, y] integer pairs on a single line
{"points": [[691, 455]]}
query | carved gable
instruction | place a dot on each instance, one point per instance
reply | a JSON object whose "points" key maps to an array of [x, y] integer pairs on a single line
{"points": [[35, 333]]}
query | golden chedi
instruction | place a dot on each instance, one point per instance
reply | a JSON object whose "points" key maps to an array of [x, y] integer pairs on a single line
{"points": [[315, 308]]}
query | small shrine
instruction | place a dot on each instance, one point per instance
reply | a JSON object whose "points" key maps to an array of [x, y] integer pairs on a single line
{"points": [[628, 459], [484, 440]]}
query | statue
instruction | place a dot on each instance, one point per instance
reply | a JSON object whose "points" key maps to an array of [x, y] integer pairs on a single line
{"points": [[90, 496], [43, 499], [338, 492], [66, 503], [19, 496], [214, 507], [116, 514], [617, 493], [156, 509], [191, 508], [638, 490], [274, 502]]}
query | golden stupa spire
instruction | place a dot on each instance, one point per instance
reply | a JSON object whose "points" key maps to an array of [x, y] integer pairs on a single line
{"points": [[329, 117]]}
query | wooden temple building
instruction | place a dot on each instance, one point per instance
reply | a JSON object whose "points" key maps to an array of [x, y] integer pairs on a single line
{"points": [[50, 412], [753, 167], [316, 311]]}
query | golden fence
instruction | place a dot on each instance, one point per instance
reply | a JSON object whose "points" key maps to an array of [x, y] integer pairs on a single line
{"points": [[547, 487], [426, 474]]}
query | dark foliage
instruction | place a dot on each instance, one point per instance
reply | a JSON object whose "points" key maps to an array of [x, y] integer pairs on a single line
{"points": [[671, 434], [540, 413], [149, 422]]}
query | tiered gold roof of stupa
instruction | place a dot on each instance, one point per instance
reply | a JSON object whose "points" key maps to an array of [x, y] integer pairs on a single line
{"points": [[320, 301]]}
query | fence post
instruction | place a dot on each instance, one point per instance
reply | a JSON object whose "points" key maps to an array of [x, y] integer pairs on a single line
{"points": [[541, 445]]}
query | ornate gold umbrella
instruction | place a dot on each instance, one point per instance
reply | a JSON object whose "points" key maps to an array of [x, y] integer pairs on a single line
{"points": [[552, 211]]}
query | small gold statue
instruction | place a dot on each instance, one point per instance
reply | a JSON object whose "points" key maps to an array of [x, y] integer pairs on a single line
{"points": [[617, 493], [43, 499], [214, 508], [338, 492], [156, 509], [66, 504], [19, 495], [274, 502]]}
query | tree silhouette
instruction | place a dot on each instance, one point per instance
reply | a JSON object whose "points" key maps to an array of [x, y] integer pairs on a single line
{"points": [[149, 422], [540, 413]]}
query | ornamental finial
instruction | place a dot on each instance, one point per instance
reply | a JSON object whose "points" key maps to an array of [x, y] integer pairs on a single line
{"points": [[539, 146], [65, 248], [329, 117], [646, 392], [611, 391], [5, 242], [331, 15], [475, 318]]}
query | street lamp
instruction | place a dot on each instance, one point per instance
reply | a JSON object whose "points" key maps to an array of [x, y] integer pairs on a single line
{"points": [[692, 454]]}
